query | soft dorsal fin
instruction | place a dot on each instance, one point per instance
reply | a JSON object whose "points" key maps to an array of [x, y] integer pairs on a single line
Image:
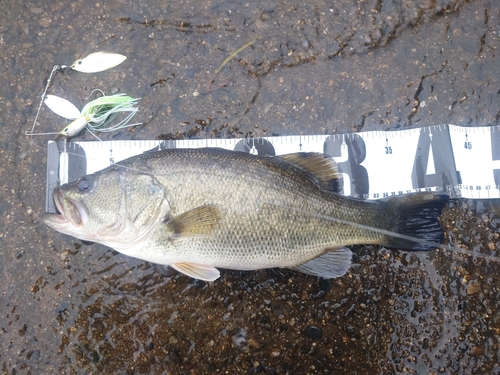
{"points": [[198, 222], [324, 169], [197, 271]]}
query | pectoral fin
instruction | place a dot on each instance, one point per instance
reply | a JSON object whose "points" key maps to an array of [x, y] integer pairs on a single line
{"points": [[198, 222], [197, 271], [332, 264]]}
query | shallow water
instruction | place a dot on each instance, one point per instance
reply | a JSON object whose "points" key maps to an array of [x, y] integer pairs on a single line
{"points": [[312, 69]]}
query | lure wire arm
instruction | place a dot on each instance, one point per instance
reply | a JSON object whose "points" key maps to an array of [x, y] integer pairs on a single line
{"points": [[44, 95], [94, 90]]}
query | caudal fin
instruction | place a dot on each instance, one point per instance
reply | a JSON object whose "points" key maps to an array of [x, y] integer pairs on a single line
{"points": [[416, 221]]}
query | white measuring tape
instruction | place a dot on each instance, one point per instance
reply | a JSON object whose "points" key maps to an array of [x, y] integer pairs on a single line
{"points": [[462, 161]]}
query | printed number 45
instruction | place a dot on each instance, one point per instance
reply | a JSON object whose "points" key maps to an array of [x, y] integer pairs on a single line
{"points": [[468, 145]]}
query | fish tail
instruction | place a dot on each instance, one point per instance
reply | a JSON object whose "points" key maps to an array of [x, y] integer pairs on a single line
{"points": [[415, 219]]}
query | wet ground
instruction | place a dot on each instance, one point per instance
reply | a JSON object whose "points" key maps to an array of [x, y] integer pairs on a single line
{"points": [[315, 68]]}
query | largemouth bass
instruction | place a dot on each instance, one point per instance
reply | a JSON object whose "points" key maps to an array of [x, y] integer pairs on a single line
{"points": [[200, 209]]}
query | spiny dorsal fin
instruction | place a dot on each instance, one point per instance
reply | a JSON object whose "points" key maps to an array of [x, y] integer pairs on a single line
{"points": [[324, 169], [198, 222]]}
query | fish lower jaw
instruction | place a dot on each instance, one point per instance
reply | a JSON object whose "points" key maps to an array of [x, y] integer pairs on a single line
{"points": [[55, 219]]}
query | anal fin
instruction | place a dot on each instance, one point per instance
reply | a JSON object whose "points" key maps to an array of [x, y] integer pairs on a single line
{"points": [[334, 263], [197, 271]]}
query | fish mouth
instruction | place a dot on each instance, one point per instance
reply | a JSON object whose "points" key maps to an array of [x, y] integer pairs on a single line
{"points": [[70, 211]]}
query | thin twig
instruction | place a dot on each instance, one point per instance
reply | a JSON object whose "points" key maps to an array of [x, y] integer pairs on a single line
{"points": [[229, 58]]}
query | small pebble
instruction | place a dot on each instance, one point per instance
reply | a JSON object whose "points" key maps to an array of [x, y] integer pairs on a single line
{"points": [[313, 333], [172, 340]]}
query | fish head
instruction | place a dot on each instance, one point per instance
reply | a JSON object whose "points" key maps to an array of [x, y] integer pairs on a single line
{"points": [[115, 207]]}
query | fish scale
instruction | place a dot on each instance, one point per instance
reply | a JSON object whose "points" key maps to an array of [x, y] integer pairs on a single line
{"points": [[248, 204]]}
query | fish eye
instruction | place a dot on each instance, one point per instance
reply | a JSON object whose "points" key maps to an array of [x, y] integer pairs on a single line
{"points": [[83, 185]]}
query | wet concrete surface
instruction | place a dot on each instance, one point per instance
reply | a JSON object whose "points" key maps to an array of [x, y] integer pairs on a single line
{"points": [[316, 68]]}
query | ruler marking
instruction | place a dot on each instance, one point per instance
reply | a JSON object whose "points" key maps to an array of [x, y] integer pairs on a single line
{"points": [[386, 156]]}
